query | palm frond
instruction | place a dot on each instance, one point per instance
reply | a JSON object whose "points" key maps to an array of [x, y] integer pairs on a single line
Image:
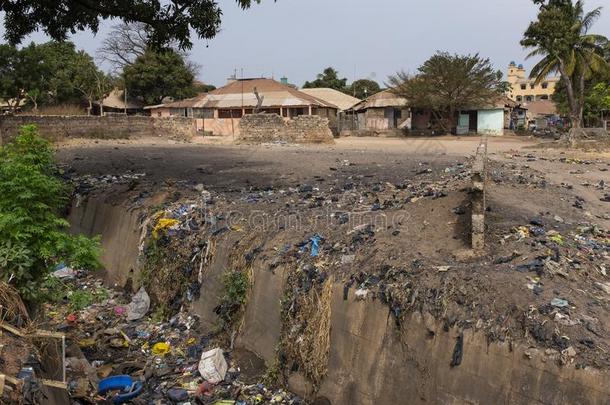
{"points": [[590, 18]]}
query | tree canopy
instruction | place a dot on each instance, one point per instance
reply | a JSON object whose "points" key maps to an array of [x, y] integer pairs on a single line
{"points": [[49, 73], [329, 78], [446, 83], [364, 88], [159, 74], [560, 35], [166, 21]]}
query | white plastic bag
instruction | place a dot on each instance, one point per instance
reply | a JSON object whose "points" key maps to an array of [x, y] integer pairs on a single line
{"points": [[213, 366]]}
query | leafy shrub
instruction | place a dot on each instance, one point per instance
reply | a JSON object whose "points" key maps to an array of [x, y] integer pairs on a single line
{"points": [[33, 236]]}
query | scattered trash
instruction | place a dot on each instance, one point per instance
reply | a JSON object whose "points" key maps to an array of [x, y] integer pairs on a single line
{"points": [[559, 303], [139, 305], [213, 366], [160, 349], [124, 386]]}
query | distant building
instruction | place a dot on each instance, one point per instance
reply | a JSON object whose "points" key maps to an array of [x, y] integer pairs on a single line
{"points": [[220, 110], [381, 112], [525, 90], [117, 104]]}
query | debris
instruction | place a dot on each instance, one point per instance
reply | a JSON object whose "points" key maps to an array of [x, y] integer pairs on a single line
{"points": [[559, 303], [139, 305], [160, 349], [361, 294], [126, 387], [213, 366]]}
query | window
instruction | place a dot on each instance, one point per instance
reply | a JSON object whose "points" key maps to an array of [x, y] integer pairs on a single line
{"points": [[523, 87], [272, 111], [519, 98], [544, 97], [295, 112], [235, 113], [532, 86], [529, 98], [545, 85]]}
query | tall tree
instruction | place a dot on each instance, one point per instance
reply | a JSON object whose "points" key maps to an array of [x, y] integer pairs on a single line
{"points": [[448, 83], [88, 80], [168, 20], [364, 88], [11, 84], [329, 78], [561, 37], [157, 75], [128, 41]]}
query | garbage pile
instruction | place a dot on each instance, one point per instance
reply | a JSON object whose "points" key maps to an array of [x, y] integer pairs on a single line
{"points": [[119, 353]]}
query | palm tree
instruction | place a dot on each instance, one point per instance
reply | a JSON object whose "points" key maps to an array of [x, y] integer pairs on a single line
{"points": [[561, 37]]}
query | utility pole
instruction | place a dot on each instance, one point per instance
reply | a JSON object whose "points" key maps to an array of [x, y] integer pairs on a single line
{"points": [[125, 102]]}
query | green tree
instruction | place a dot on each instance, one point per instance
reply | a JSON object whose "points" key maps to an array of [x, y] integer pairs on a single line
{"points": [[329, 78], [364, 88], [448, 83], [88, 80], [157, 75], [33, 236], [11, 86], [166, 20], [561, 37]]}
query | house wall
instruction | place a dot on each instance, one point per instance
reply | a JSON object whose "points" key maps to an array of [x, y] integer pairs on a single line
{"points": [[218, 126], [420, 119], [490, 122]]}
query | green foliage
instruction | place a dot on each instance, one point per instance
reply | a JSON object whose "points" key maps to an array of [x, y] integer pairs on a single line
{"points": [[33, 236], [235, 290], [364, 88], [157, 75], [560, 36], [50, 73], [329, 78], [167, 21], [446, 83]]}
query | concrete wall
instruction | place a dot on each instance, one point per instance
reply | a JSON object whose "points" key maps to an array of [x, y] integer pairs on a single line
{"points": [[271, 127], [55, 127], [490, 122], [371, 361]]}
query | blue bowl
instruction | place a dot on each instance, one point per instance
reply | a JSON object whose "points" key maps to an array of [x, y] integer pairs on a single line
{"points": [[127, 387]]}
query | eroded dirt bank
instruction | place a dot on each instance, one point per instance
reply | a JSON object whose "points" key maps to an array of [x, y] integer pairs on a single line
{"points": [[390, 307]]}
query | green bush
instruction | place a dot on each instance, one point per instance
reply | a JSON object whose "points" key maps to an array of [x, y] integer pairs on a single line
{"points": [[33, 236]]}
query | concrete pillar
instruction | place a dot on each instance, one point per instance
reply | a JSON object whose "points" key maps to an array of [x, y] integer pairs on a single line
{"points": [[309, 110]]}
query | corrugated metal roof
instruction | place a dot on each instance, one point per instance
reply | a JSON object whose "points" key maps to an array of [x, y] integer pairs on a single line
{"points": [[240, 93], [341, 100], [382, 99]]}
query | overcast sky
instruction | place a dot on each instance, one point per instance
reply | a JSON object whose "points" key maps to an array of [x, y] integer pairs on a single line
{"points": [[360, 38]]}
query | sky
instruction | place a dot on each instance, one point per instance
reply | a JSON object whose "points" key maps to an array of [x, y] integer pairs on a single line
{"points": [[360, 38]]}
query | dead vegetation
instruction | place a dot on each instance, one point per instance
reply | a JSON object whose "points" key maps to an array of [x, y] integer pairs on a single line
{"points": [[305, 341]]}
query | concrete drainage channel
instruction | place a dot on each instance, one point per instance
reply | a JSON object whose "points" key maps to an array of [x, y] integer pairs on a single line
{"points": [[342, 312]]}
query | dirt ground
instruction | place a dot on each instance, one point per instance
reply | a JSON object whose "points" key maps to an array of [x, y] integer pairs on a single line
{"points": [[393, 216]]}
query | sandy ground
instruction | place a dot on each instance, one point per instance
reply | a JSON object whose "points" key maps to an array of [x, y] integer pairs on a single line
{"points": [[417, 186]]}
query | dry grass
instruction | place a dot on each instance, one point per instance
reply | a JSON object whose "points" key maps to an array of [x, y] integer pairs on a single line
{"points": [[310, 347], [12, 308]]}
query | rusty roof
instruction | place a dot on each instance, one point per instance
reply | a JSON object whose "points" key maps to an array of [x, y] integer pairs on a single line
{"points": [[275, 94], [382, 99], [336, 97]]}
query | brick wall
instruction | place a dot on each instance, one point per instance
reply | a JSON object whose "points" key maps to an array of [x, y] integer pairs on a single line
{"points": [[54, 127], [271, 127]]}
